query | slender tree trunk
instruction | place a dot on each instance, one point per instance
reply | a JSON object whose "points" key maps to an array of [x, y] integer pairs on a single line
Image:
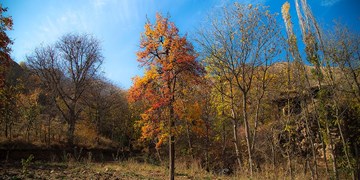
{"points": [[332, 146], [70, 133], [10, 131], [319, 117], [159, 155], [273, 156], [236, 143], [289, 135], [97, 120], [235, 127], [255, 124], [6, 130], [357, 170], [171, 127], [207, 148], [224, 145], [28, 134], [324, 148], [290, 165], [302, 68], [310, 137], [345, 145], [288, 114], [171, 145], [49, 131], [224, 135], [189, 140], [337, 116], [322, 138], [309, 166], [247, 133]]}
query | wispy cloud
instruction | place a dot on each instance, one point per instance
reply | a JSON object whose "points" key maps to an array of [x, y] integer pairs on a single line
{"points": [[120, 14], [329, 2], [98, 4], [51, 28], [223, 3], [253, 1]]}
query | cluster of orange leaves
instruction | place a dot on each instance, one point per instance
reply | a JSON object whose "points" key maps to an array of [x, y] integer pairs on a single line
{"points": [[6, 23], [167, 58]]}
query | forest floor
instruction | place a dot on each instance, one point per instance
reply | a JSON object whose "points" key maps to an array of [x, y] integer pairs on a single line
{"points": [[111, 170]]}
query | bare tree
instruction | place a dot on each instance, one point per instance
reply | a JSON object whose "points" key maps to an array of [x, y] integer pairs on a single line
{"points": [[66, 68], [238, 43], [343, 49], [343, 52]]}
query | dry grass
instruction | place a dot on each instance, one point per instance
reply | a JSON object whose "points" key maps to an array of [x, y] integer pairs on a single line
{"points": [[132, 169]]}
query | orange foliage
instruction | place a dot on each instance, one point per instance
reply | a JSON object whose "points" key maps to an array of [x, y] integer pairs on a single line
{"points": [[168, 58], [5, 42]]}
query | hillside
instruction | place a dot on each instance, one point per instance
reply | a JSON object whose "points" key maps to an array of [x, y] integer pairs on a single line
{"points": [[243, 97]]}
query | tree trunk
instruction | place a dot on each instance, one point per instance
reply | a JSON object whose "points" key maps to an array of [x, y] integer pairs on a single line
{"points": [[171, 136], [171, 145], [224, 146], [207, 149], [235, 126], [70, 133], [10, 131], [6, 130], [97, 120], [309, 166], [357, 176], [255, 123], [28, 133], [189, 140], [224, 134], [236, 143], [159, 155], [247, 133], [310, 137], [273, 156], [49, 131], [290, 165], [345, 145], [332, 146], [337, 116]]}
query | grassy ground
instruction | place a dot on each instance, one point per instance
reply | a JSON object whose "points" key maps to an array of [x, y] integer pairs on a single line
{"points": [[130, 169], [115, 170]]}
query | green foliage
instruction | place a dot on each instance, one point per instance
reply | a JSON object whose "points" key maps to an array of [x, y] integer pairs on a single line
{"points": [[25, 163]]}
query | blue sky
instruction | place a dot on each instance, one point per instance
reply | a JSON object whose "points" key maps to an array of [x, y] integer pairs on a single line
{"points": [[118, 24]]}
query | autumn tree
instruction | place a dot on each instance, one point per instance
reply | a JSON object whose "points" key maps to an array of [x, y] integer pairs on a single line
{"points": [[66, 68], [107, 109], [9, 110], [7, 95], [6, 23], [190, 108], [343, 51], [167, 58], [30, 110], [237, 43], [319, 57]]}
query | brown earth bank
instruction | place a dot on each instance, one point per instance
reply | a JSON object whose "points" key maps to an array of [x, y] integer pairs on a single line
{"points": [[16, 151], [66, 154], [62, 171]]}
